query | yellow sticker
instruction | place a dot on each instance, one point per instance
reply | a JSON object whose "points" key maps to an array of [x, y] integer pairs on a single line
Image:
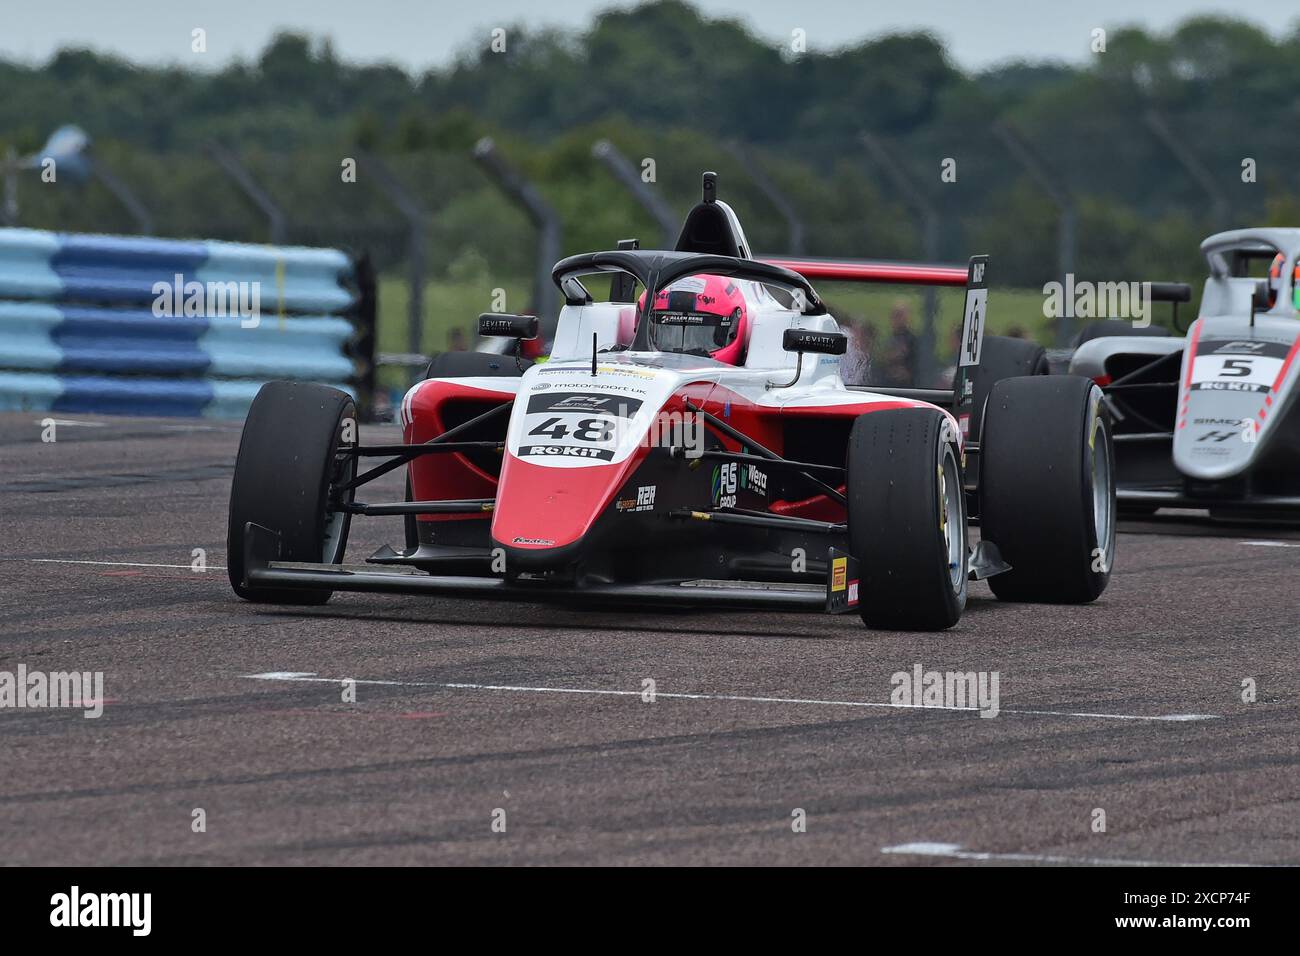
{"points": [[839, 574]]}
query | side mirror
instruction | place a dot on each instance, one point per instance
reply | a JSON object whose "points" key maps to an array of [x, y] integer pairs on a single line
{"points": [[505, 324], [809, 340], [1171, 292]]}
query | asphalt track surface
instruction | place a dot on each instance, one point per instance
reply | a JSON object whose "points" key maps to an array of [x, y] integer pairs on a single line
{"points": [[780, 712]]}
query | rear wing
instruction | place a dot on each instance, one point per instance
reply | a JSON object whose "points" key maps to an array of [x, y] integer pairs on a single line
{"points": [[887, 273], [973, 277]]}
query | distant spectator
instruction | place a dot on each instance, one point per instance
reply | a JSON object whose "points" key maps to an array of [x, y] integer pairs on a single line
{"points": [[857, 367], [456, 340], [953, 349], [900, 359], [1017, 332]]}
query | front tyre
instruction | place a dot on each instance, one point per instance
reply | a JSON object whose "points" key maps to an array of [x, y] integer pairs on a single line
{"points": [[288, 460], [907, 519], [1047, 489]]}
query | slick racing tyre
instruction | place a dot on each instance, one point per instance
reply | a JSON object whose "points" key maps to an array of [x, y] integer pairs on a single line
{"points": [[1047, 491], [288, 459], [1003, 357], [907, 519], [1112, 327]]}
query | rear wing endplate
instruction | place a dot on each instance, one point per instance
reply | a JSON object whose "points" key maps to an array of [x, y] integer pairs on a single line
{"points": [[972, 342], [973, 277]]}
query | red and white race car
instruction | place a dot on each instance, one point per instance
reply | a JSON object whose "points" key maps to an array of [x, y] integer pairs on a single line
{"points": [[692, 443]]}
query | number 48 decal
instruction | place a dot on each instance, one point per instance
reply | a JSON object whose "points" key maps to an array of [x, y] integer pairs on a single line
{"points": [[588, 429]]}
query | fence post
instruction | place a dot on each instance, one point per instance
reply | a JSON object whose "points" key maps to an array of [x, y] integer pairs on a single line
{"points": [[774, 195], [1202, 176], [277, 226], [924, 365], [9, 212], [648, 199], [414, 214], [1059, 193], [545, 303], [123, 194]]}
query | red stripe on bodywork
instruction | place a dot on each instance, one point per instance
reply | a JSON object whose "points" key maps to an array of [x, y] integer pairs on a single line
{"points": [[1286, 364], [894, 273], [854, 410], [1187, 379], [1191, 352], [446, 477]]}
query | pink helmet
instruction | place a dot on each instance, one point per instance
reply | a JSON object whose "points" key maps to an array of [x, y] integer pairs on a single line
{"points": [[702, 315]]}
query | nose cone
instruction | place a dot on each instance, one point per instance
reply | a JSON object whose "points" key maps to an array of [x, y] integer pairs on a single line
{"points": [[543, 512]]}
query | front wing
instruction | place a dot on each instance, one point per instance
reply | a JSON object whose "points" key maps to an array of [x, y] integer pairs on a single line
{"points": [[263, 570]]}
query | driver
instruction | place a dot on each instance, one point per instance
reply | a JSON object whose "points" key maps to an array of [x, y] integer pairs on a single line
{"points": [[701, 315], [1275, 283]]}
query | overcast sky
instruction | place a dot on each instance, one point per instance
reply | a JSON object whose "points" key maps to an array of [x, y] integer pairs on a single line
{"points": [[422, 33]]}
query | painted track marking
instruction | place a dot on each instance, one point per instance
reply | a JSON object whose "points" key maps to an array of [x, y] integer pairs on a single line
{"points": [[116, 564], [312, 678], [954, 851]]}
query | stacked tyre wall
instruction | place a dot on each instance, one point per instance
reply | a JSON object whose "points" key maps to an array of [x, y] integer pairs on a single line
{"points": [[101, 324]]}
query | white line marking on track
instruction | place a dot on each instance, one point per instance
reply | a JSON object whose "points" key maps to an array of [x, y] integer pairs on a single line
{"points": [[953, 851], [310, 677], [1271, 544], [69, 421], [116, 564]]}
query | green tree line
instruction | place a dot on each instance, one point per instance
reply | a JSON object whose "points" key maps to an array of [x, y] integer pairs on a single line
{"points": [[669, 84]]}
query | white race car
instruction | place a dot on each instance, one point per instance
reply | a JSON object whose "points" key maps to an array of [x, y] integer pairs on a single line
{"points": [[1211, 420], [695, 443]]}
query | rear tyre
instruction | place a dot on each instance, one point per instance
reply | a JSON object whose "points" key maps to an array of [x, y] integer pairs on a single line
{"points": [[471, 364], [1003, 357], [288, 459], [907, 519], [1047, 492], [1113, 327]]}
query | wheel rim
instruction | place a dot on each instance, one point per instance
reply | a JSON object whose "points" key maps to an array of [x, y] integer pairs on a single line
{"points": [[950, 517], [1103, 513], [343, 470]]}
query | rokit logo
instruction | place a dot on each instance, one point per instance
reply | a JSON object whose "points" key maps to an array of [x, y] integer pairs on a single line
{"points": [[565, 451]]}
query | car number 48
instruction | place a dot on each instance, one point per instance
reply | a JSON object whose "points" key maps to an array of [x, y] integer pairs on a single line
{"points": [[587, 429]]}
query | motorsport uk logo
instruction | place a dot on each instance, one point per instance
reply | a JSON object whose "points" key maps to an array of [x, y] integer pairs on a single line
{"points": [[76, 909]]}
